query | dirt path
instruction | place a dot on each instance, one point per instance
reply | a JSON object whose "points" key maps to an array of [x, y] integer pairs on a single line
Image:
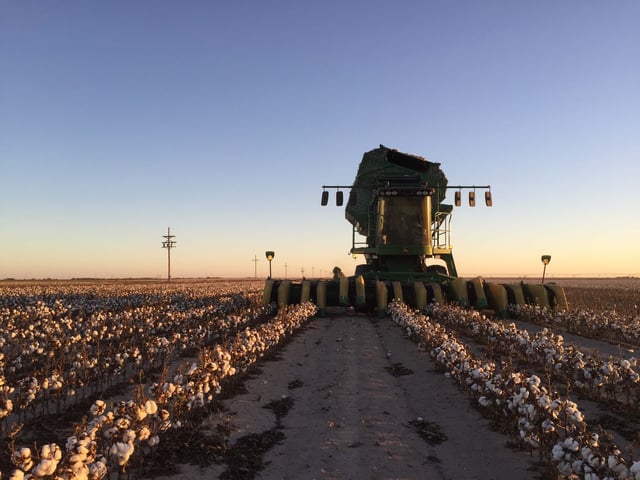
{"points": [[359, 395]]}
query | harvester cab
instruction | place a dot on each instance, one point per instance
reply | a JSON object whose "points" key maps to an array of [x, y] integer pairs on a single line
{"points": [[401, 227], [395, 203]]}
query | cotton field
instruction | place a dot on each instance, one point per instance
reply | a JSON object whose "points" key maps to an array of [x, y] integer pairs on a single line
{"points": [[96, 377]]}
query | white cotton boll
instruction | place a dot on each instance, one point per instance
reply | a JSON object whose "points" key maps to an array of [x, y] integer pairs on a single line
{"points": [[595, 461], [121, 452], [621, 470], [78, 457], [144, 433], [79, 471], [97, 471], [84, 444], [534, 380], [548, 426], [576, 466], [530, 410], [571, 444], [45, 468], [565, 468], [51, 451], [139, 412], [123, 423], [557, 452], [129, 436], [153, 441], [17, 475], [71, 442], [577, 417], [150, 407], [544, 401], [635, 469]]}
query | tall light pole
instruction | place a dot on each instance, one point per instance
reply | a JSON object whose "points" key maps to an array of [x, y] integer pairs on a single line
{"points": [[545, 261], [169, 243], [270, 254]]}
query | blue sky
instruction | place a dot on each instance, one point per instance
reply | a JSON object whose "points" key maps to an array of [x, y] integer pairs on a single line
{"points": [[223, 119]]}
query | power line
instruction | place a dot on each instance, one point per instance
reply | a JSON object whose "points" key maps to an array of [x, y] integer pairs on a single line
{"points": [[169, 243], [255, 265]]}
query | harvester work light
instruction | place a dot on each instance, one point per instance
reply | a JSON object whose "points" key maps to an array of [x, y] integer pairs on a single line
{"points": [[457, 199], [339, 195]]}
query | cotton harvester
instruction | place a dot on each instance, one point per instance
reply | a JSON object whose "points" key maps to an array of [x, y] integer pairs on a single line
{"points": [[395, 204]]}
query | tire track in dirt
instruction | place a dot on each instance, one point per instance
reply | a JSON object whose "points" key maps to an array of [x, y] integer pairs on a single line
{"points": [[356, 411]]}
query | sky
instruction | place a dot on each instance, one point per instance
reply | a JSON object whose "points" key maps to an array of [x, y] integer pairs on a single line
{"points": [[223, 119]]}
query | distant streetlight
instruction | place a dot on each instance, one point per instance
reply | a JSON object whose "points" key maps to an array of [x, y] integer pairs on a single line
{"points": [[545, 261], [269, 254]]}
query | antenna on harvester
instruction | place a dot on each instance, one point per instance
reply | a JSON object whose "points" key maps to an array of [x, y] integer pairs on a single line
{"points": [[169, 243]]}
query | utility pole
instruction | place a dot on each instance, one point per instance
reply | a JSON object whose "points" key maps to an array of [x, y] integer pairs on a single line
{"points": [[285, 270], [169, 243], [255, 265]]}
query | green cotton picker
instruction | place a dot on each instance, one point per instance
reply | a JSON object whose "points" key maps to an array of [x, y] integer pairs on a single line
{"points": [[402, 229]]}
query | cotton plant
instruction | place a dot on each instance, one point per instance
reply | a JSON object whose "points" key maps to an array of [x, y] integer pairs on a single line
{"points": [[554, 426], [114, 433], [605, 379], [605, 324], [42, 329]]}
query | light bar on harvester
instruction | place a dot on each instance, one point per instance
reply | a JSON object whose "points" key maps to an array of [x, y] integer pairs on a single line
{"points": [[420, 192], [389, 192]]}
